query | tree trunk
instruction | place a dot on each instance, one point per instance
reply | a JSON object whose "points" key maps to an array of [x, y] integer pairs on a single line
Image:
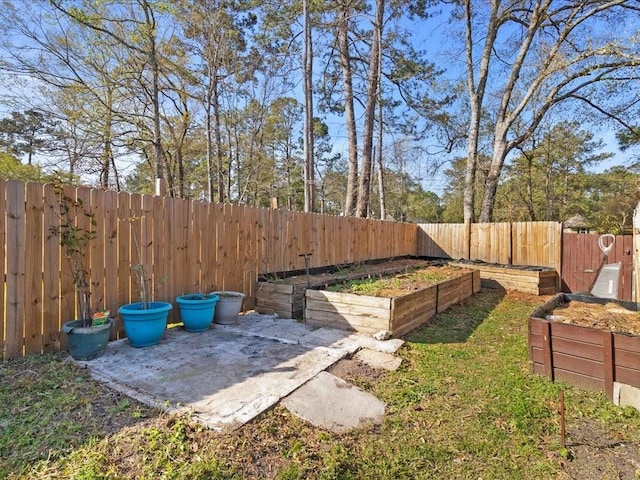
{"points": [[209, 138], [373, 84], [476, 98], [155, 99], [383, 205], [307, 61], [349, 111], [217, 127], [491, 182], [107, 133], [530, 205]]}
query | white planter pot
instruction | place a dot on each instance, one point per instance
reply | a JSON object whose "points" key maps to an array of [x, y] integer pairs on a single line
{"points": [[228, 307]]}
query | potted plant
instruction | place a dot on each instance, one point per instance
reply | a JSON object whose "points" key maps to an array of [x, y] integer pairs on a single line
{"points": [[197, 310], [88, 334], [144, 321], [228, 307]]}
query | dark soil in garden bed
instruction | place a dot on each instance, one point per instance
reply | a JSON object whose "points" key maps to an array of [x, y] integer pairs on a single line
{"points": [[323, 278], [529, 268]]}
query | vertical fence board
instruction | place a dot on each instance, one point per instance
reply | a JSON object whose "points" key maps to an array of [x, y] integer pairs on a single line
{"points": [[34, 212], [230, 255], [124, 248], [111, 273], [97, 247], [217, 224], [207, 275], [158, 249], [142, 206], [68, 301], [183, 260], [15, 307], [51, 273], [83, 221], [263, 219], [138, 254], [248, 237], [197, 239], [172, 245]]}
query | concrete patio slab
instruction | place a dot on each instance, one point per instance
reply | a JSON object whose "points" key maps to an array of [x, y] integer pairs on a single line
{"points": [[329, 402], [228, 374]]}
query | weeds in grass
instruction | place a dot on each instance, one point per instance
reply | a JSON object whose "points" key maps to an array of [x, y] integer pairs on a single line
{"points": [[462, 405]]}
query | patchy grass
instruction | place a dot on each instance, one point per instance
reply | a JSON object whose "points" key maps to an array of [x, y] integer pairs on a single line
{"points": [[463, 405]]}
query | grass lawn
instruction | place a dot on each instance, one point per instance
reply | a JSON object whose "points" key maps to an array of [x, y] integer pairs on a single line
{"points": [[462, 406]]}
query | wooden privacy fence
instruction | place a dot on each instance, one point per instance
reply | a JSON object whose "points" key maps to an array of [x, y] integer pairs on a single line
{"points": [[517, 243], [188, 246], [192, 246]]}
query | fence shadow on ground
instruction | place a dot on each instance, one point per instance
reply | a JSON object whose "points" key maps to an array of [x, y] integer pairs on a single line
{"points": [[458, 322]]}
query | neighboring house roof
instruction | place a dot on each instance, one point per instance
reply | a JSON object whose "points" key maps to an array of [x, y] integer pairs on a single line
{"points": [[577, 221]]}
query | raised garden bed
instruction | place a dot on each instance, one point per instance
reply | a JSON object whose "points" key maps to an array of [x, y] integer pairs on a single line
{"points": [[397, 314], [282, 293], [568, 342], [521, 278]]}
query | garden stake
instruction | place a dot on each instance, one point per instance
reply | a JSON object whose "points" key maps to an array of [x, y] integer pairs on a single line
{"points": [[306, 266], [562, 421]]}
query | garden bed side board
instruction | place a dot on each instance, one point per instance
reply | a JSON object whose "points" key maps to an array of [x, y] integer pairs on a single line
{"points": [[398, 315], [282, 299], [538, 282], [586, 357]]}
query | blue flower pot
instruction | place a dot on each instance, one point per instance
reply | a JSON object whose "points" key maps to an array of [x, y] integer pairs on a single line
{"points": [[145, 327], [196, 311], [87, 343]]}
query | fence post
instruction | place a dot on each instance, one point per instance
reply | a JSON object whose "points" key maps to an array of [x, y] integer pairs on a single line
{"points": [[608, 373], [467, 239], [546, 350], [636, 254]]}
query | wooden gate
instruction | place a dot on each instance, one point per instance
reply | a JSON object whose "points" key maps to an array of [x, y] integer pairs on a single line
{"points": [[581, 258]]}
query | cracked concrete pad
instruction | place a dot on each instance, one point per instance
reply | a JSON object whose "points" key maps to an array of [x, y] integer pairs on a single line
{"points": [[224, 379], [377, 359], [329, 402], [229, 374]]}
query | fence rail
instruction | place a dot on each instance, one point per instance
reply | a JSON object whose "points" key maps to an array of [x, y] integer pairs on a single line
{"points": [[192, 246]]}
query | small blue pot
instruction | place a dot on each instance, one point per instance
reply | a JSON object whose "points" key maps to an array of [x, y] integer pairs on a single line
{"points": [[145, 327], [196, 311]]}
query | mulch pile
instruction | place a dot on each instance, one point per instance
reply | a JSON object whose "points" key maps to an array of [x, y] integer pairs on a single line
{"points": [[609, 316]]}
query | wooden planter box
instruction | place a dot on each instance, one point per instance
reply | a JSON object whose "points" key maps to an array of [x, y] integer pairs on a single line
{"points": [[398, 315], [585, 357], [538, 281], [285, 300], [285, 297]]}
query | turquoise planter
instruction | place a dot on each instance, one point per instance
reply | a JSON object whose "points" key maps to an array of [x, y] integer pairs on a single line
{"points": [[196, 311], [86, 343], [145, 327]]}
